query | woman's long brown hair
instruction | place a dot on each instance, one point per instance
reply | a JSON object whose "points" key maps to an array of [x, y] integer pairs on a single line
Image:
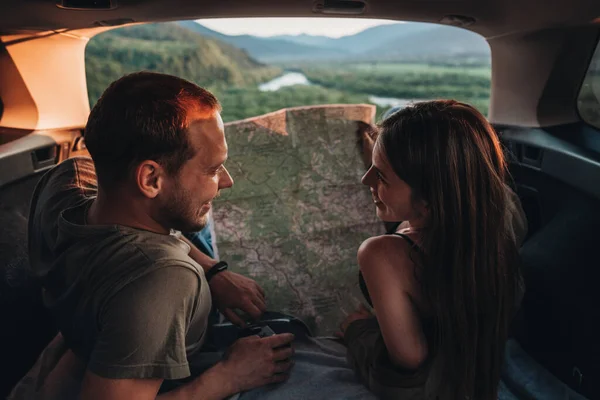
{"points": [[451, 157]]}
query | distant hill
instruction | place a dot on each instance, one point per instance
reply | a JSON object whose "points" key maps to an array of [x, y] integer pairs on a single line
{"points": [[374, 37], [172, 49], [438, 42], [268, 49], [307, 40], [391, 42]]}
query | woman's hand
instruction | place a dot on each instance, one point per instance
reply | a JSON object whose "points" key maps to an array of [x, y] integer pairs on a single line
{"points": [[361, 313], [366, 135]]}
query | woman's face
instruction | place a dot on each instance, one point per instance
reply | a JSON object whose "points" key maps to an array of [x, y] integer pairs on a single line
{"points": [[391, 195]]}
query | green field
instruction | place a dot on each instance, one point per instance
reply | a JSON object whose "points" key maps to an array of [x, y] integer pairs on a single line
{"points": [[407, 81], [396, 68], [354, 83]]}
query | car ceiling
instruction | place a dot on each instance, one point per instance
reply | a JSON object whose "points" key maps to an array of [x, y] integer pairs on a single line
{"points": [[493, 17]]}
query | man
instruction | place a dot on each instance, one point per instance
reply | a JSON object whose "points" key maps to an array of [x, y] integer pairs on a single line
{"points": [[131, 295]]}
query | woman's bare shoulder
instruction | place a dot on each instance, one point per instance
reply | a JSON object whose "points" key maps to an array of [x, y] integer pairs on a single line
{"points": [[388, 255], [383, 247]]}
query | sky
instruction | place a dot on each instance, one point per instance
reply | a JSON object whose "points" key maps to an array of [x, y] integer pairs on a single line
{"points": [[332, 27]]}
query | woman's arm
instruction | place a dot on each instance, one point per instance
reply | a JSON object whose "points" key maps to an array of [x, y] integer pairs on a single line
{"points": [[389, 274]]}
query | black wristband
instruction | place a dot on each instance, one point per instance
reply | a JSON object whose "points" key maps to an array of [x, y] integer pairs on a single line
{"points": [[215, 269]]}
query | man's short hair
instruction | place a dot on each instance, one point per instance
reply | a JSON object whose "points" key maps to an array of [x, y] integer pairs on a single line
{"points": [[143, 116]]}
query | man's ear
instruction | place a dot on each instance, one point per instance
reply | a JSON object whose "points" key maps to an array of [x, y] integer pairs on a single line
{"points": [[149, 177]]}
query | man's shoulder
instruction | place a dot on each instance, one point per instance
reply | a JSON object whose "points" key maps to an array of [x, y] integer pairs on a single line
{"points": [[78, 172], [158, 248], [137, 261], [133, 253], [167, 278], [128, 255], [64, 185]]}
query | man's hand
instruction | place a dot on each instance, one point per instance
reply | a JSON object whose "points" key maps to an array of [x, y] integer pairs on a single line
{"points": [[361, 313], [253, 362], [232, 291]]}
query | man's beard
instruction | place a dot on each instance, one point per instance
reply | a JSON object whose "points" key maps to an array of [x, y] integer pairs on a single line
{"points": [[179, 213]]}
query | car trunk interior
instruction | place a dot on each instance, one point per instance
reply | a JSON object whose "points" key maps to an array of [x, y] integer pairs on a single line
{"points": [[559, 258], [538, 63]]}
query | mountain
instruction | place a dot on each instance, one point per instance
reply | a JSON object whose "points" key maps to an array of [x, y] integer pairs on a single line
{"points": [[392, 42], [307, 40], [403, 41], [171, 49], [437, 42], [268, 49], [204, 31], [360, 42], [374, 37]]}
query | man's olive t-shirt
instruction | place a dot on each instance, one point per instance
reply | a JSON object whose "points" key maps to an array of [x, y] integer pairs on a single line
{"points": [[130, 303]]}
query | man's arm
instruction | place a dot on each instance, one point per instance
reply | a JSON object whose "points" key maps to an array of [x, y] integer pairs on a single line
{"points": [[204, 260], [96, 388], [142, 340], [213, 384], [231, 291], [251, 362]]}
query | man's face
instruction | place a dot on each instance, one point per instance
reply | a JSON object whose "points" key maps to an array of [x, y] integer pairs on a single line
{"points": [[189, 194]]}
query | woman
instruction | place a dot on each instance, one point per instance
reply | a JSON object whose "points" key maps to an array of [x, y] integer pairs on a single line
{"points": [[446, 284]]}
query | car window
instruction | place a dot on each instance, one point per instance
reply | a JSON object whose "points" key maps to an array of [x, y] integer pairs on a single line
{"points": [[298, 212], [385, 65], [588, 101]]}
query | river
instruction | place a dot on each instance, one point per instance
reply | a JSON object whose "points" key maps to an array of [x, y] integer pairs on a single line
{"points": [[287, 79], [298, 78]]}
